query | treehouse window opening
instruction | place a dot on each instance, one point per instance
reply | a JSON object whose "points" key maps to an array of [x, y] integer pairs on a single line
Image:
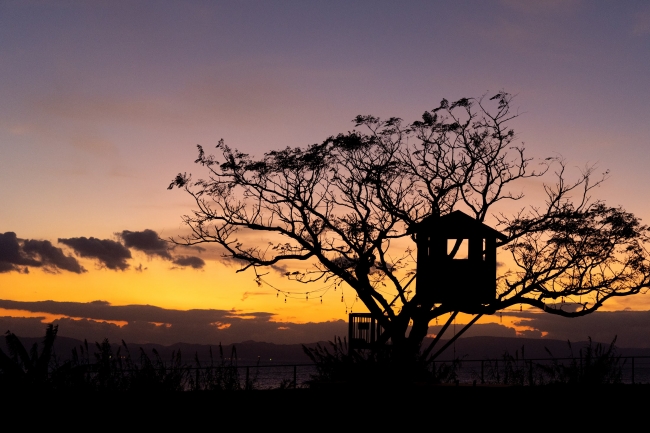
{"points": [[461, 250]]}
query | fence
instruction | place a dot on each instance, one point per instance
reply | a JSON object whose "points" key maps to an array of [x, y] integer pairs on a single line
{"points": [[507, 370], [513, 371], [278, 376]]}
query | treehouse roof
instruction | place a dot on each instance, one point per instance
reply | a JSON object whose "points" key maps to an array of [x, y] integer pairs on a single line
{"points": [[455, 225]]}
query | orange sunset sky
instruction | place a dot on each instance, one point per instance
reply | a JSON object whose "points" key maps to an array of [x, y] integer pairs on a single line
{"points": [[103, 103]]}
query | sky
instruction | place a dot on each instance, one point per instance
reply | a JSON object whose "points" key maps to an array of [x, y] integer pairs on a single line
{"points": [[102, 103]]}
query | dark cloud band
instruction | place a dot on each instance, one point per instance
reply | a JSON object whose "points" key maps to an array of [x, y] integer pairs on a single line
{"points": [[205, 326], [211, 326]]}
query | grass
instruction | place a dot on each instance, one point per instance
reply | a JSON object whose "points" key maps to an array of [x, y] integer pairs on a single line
{"points": [[109, 370]]}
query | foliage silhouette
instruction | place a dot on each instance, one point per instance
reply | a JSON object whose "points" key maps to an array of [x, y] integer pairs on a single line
{"points": [[512, 370], [223, 376], [340, 211], [595, 366], [336, 364], [21, 369], [109, 370]]}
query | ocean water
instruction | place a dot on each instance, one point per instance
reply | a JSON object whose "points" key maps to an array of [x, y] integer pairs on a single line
{"points": [[629, 370]]}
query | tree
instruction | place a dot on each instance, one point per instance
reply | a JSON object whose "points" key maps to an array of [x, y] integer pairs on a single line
{"points": [[343, 208]]}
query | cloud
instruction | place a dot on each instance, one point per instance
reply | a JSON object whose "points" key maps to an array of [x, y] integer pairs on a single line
{"points": [[94, 321], [193, 261], [52, 257], [630, 327], [110, 254], [146, 241], [150, 243], [15, 253], [193, 247], [8, 267], [98, 320], [11, 255], [232, 262], [478, 330], [18, 255]]}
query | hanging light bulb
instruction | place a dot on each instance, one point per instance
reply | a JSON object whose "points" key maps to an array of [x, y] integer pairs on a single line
{"points": [[341, 298], [285, 299], [321, 299], [307, 297], [277, 294]]}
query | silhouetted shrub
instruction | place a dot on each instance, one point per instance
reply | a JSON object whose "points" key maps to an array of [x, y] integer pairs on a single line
{"points": [[335, 363], [221, 376], [109, 370], [509, 370], [595, 365], [23, 370]]}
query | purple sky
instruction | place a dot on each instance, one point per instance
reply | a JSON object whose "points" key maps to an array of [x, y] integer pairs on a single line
{"points": [[103, 102]]}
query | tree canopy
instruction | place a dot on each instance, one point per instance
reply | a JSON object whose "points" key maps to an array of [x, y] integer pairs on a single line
{"points": [[343, 207]]}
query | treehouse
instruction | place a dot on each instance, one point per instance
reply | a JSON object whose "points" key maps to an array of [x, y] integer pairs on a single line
{"points": [[456, 260]]}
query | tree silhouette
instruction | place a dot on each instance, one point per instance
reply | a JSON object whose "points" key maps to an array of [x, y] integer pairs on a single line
{"points": [[343, 207]]}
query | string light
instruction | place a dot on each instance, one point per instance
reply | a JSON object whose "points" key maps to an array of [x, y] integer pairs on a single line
{"points": [[323, 290], [295, 294]]}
